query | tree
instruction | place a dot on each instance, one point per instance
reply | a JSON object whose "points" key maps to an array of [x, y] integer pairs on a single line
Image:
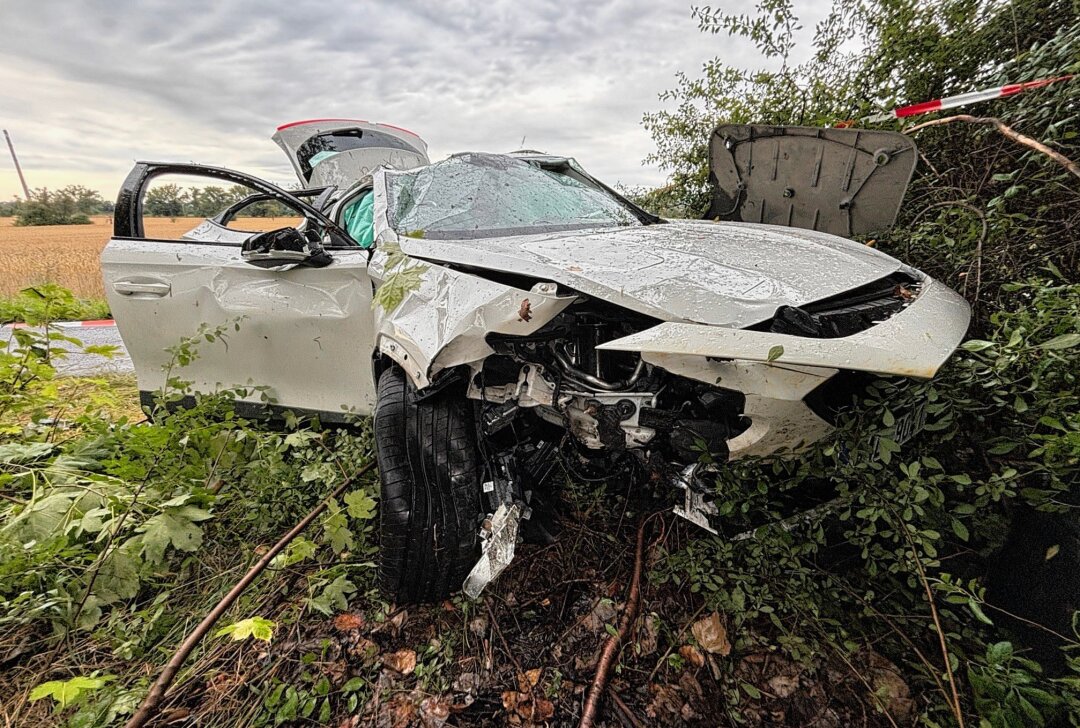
{"points": [[62, 207], [168, 200], [867, 55]]}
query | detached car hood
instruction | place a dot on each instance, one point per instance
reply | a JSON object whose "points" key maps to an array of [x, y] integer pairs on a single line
{"points": [[720, 273]]}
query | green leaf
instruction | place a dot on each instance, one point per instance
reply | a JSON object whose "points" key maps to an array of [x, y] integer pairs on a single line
{"points": [[976, 609], [1065, 341], [751, 690], [65, 692], [976, 345], [335, 597], [397, 286], [298, 550], [175, 527], [775, 353], [353, 684], [257, 627], [360, 505], [118, 577]]}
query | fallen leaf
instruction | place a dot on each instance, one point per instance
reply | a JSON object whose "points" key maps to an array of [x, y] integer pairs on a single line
{"points": [[603, 613], [783, 686], [478, 626], [434, 712], [348, 621], [365, 650], [692, 655], [711, 634], [528, 680], [648, 635], [666, 702], [402, 662]]}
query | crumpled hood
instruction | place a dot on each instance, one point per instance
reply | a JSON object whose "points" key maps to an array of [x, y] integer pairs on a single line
{"points": [[727, 274]]}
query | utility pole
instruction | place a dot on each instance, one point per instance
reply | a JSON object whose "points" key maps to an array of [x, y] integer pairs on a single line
{"points": [[26, 190]]}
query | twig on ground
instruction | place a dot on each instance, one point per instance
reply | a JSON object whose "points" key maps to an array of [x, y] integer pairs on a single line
{"points": [[157, 692], [1006, 131], [624, 709], [610, 651]]}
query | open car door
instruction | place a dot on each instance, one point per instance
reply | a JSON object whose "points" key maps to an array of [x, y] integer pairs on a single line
{"points": [[288, 309], [846, 182]]}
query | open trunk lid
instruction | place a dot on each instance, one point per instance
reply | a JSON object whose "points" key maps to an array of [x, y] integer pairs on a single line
{"points": [[845, 182], [340, 152]]}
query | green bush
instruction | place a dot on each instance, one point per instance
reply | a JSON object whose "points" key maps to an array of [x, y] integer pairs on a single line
{"points": [[71, 205], [50, 302], [904, 551]]}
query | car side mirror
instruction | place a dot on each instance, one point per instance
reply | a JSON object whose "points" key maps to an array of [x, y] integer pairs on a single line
{"points": [[284, 247]]}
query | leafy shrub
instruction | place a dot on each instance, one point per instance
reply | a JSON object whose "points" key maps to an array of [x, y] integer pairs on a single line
{"points": [[71, 205], [115, 534], [50, 302], [900, 559]]}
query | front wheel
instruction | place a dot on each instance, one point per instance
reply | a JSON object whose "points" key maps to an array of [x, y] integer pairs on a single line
{"points": [[429, 512]]}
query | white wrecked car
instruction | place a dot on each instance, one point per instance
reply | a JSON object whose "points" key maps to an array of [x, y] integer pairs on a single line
{"points": [[502, 314]]}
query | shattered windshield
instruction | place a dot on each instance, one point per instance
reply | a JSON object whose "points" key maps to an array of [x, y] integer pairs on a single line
{"points": [[486, 195]]}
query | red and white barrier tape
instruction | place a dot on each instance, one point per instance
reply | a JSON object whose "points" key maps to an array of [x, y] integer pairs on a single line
{"points": [[951, 102], [67, 324]]}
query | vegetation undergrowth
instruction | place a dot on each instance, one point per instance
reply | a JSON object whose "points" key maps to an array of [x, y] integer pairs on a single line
{"points": [[49, 302], [116, 532], [956, 555]]}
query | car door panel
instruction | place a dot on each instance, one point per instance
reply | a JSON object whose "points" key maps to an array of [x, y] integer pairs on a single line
{"points": [[296, 338]]}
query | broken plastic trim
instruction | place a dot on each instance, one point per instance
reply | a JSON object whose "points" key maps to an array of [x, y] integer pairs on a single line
{"points": [[498, 542]]}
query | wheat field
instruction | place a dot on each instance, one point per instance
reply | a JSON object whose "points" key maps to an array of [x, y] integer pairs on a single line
{"points": [[68, 254]]}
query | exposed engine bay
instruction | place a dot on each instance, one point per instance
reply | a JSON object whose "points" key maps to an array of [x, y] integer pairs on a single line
{"points": [[611, 404]]}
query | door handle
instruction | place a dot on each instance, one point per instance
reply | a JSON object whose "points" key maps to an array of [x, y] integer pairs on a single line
{"points": [[131, 288]]}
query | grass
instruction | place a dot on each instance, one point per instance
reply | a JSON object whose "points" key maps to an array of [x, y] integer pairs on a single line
{"points": [[68, 255]]}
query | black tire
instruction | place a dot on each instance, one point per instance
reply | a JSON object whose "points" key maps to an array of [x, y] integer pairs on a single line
{"points": [[429, 512]]}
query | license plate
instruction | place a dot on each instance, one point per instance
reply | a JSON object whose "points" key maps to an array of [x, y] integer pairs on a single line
{"points": [[909, 424]]}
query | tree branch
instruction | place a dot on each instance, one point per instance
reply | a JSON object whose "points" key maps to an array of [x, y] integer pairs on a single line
{"points": [[157, 692], [1006, 131], [613, 643]]}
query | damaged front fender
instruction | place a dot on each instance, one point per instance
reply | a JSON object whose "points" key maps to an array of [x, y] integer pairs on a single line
{"points": [[445, 322]]}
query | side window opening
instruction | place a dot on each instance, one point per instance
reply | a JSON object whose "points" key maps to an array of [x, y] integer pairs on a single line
{"points": [[175, 205]]}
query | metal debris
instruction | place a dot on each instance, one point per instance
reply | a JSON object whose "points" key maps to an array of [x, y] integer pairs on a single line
{"points": [[695, 508], [499, 539]]}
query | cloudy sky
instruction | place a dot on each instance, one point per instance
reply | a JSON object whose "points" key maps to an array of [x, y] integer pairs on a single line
{"points": [[87, 87]]}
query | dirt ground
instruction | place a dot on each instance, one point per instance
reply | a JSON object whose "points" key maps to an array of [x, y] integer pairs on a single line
{"points": [[68, 254], [525, 654]]}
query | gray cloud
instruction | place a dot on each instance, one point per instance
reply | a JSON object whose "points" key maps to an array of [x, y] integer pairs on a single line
{"points": [[87, 87]]}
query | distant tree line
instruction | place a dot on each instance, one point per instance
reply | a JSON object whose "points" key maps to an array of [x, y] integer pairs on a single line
{"points": [[71, 205], [74, 204], [172, 200]]}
